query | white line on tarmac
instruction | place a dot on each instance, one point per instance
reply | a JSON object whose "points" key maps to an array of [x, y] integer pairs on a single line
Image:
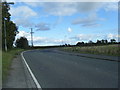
{"points": [[34, 78]]}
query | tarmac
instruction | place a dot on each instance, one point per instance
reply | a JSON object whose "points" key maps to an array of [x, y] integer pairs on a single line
{"points": [[19, 76]]}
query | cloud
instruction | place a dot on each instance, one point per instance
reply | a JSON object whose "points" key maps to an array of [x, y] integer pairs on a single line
{"points": [[49, 41], [67, 8], [45, 40], [22, 15], [59, 9], [70, 8], [72, 40], [22, 12], [95, 37], [25, 22], [28, 36], [85, 37], [23, 34], [69, 29], [111, 6], [90, 21], [113, 36], [43, 26], [37, 40], [88, 7]]}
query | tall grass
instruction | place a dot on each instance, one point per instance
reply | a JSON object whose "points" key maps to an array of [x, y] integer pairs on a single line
{"points": [[113, 50], [7, 59]]}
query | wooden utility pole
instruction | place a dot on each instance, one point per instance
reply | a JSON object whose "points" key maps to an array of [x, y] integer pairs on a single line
{"points": [[5, 19], [31, 37]]}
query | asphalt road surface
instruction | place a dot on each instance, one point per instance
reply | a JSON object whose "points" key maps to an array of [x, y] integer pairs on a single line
{"points": [[62, 70]]}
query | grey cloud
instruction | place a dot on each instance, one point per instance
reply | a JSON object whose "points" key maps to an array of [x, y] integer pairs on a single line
{"points": [[90, 21], [43, 26], [60, 9], [88, 6], [70, 8], [111, 6], [91, 25]]}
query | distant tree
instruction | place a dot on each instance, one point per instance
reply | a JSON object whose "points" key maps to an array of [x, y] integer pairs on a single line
{"points": [[22, 43], [113, 41], [90, 42], [99, 42], [106, 41], [68, 45], [80, 43], [65, 44], [103, 41]]}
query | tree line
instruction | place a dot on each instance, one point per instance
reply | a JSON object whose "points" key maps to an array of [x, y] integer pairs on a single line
{"points": [[91, 43], [99, 42]]}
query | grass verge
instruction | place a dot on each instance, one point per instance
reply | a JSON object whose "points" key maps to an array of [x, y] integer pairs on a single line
{"points": [[7, 59], [112, 50]]}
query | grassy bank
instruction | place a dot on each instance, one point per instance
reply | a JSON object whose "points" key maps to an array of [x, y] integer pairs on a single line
{"points": [[7, 59], [112, 50]]}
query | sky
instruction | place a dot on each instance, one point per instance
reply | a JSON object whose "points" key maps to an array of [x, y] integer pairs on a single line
{"points": [[57, 23]]}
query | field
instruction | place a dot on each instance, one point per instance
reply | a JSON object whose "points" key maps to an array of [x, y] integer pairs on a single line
{"points": [[7, 59], [112, 50]]}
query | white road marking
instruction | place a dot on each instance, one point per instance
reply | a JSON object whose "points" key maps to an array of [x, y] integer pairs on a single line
{"points": [[30, 71]]}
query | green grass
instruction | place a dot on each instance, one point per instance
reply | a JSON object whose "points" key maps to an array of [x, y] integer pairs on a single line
{"points": [[7, 58], [112, 50]]}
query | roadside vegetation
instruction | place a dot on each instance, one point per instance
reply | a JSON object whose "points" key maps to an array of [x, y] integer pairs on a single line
{"points": [[11, 30], [7, 58], [112, 50]]}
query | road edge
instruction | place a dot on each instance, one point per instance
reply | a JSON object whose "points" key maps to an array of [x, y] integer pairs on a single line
{"points": [[30, 71], [94, 57]]}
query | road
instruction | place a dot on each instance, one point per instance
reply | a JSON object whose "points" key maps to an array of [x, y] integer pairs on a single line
{"points": [[54, 69]]}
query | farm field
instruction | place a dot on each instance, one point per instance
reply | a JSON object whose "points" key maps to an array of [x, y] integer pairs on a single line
{"points": [[112, 50]]}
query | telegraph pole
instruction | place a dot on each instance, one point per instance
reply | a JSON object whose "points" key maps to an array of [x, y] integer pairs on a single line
{"points": [[31, 37], [5, 19], [5, 36]]}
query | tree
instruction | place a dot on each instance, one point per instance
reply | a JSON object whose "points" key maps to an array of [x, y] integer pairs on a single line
{"points": [[99, 42], [106, 41], [80, 43], [22, 43], [113, 41], [90, 42], [103, 41], [8, 26]]}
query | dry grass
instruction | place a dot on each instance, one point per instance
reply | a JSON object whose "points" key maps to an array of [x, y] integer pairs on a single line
{"points": [[113, 50]]}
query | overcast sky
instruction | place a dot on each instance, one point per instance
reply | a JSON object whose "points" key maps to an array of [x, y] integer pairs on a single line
{"points": [[57, 23]]}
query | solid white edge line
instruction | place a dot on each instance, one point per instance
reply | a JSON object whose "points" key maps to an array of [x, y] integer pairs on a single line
{"points": [[30, 71]]}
